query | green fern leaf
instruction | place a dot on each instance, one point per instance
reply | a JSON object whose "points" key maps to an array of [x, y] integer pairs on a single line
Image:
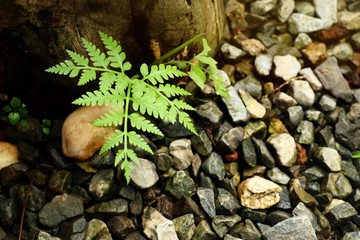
{"points": [[87, 76], [186, 121], [144, 70], [120, 156], [114, 140], [107, 79], [111, 118], [182, 105], [96, 56], [172, 90], [206, 48], [96, 97], [139, 122], [63, 68], [136, 140], [159, 73], [122, 82], [219, 85], [197, 74], [80, 60], [138, 88]]}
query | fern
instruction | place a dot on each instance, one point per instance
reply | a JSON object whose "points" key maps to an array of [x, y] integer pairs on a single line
{"points": [[138, 97]]}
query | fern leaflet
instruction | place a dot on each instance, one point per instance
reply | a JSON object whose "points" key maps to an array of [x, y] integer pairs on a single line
{"points": [[139, 122], [111, 118], [136, 140], [160, 73], [100, 98], [172, 90], [114, 140], [96, 56]]}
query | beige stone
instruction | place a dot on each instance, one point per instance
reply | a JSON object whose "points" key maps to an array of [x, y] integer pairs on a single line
{"points": [[258, 193], [256, 109], [8, 154], [80, 138]]}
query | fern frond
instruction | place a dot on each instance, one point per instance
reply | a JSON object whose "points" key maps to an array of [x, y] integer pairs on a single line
{"points": [[172, 90], [87, 75], [159, 73], [139, 122], [114, 140], [79, 59], [107, 79], [111, 118], [182, 105], [197, 75], [100, 98], [63, 68], [116, 56], [186, 121], [136, 140], [98, 58]]}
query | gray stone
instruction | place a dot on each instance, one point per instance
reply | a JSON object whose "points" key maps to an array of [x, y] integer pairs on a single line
{"points": [[73, 229], [302, 92], [351, 236], [251, 85], [263, 152], [302, 210], [162, 158], [327, 103], [180, 185], [97, 229], [203, 231], [350, 171], [181, 152], [104, 160], [341, 213], [210, 113], [9, 210], [277, 216], [156, 226], [201, 143], [231, 52], [284, 202], [256, 129], [342, 51], [144, 175], [351, 20], [263, 63], [102, 185], [302, 40], [207, 200], [120, 226], [284, 229], [285, 148], [114, 207], [347, 129], [330, 76], [329, 157], [325, 137], [286, 67], [223, 223], [262, 7], [61, 207], [34, 199], [278, 176], [214, 166], [231, 138], [60, 181], [253, 215], [306, 131], [283, 101], [248, 153], [311, 78], [338, 185], [299, 22], [235, 106], [246, 230], [285, 9], [184, 226], [314, 115], [226, 202]]}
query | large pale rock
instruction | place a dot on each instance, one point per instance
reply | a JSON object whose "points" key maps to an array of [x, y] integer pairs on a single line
{"points": [[258, 193], [8, 154], [80, 139], [285, 148]]}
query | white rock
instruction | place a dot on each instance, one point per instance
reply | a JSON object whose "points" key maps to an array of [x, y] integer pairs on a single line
{"points": [[302, 92], [326, 10], [258, 193], [311, 78], [8, 154], [299, 22], [80, 138], [286, 66], [263, 63], [285, 9], [285, 148], [351, 20]]}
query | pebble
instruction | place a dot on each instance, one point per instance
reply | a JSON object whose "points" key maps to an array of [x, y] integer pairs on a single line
{"points": [[8, 154], [302, 92], [305, 8], [327, 103], [214, 166], [185, 226], [144, 175], [277, 176], [235, 106], [251, 85], [258, 193], [203, 231], [326, 10], [285, 9], [315, 52], [207, 200], [306, 131], [181, 153], [210, 113], [338, 185], [223, 223], [285, 148], [302, 40], [351, 20], [263, 63], [262, 7], [299, 22], [231, 52], [255, 109], [342, 51], [286, 67]]}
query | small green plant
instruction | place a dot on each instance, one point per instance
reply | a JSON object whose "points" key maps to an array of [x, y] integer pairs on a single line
{"points": [[134, 99], [45, 126], [356, 154], [16, 111]]}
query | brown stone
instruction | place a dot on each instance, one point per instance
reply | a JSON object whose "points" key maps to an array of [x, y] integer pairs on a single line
{"points": [[332, 34], [301, 155], [315, 52], [8, 154]]}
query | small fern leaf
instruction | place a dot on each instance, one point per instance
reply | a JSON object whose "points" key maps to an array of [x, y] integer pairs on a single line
{"points": [[114, 140], [159, 73], [101, 98], [139, 122], [206, 60], [197, 75], [172, 90], [63, 68], [122, 83], [120, 156], [187, 122], [80, 60], [87, 75], [138, 88], [136, 140], [220, 89], [111, 118], [206, 48], [107, 79], [182, 105], [144, 70], [98, 58]]}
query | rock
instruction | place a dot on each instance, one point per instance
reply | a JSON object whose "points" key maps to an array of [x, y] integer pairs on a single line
{"points": [[263, 63], [231, 52], [284, 229], [120, 226], [226, 202], [210, 113], [302, 210], [293, 116], [283, 101], [181, 152], [201, 143], [248, 153], [298, 194], [315, 52], [278, 176], [299, 22], [263, 152], [73, 229], [286, 67], [235, 106], [61, 207], [251, 85], [340, 213], [214, 166], [8, 154], [256, 129], [327, 103], [330, 76], [162, 158], [342, 51], [255, 109], [230, 139], [180, 185], [144, 175], [81, 139], [302, 92], [302, 40], [207, 200], [60, 181], [338, 185], [349, 19], [97, 229], [347, 128], [9, 210], [185, 226], [311, 78], [203, 231], [252, 46], [262, 7], [223, 223], [35, 200], [285, 9], [284, 202], [246, 230], [306, 8], [329, 157], [306, 131], [285, 148], [102, 185], [258, 193], [114, 207], [326, 10]]}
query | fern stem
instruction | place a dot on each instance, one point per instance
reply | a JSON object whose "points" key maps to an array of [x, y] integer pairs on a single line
{"points": [[177, 49], [125, 129]]}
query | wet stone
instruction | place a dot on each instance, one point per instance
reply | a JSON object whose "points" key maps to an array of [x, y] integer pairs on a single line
{"points": [[223, 223], [120, 226], [226, 202], [338, 185], [60, 181], [284, 229], [61, 207], [102, 185], [207, 200], [201, 143], [214, 166], [341, 213], [35, 199], [329, 157], [181, 152], [184, 226], [97, 229], [302, 92], [144, 175], [263, 63], [210, 113], [235, 106], [73, 229], [286, 67], [265, 156], [104, 210], [180, 185], [285, 148]]}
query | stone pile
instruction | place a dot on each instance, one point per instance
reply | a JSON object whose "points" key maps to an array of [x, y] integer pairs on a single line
{"points": [[272, 161]]}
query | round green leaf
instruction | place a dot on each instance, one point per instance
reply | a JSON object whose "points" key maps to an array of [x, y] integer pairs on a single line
{"points": [[46, 122], [7, 108], [15, 102], [46, 131], [14, 118], [23, 111], [23, 122]]}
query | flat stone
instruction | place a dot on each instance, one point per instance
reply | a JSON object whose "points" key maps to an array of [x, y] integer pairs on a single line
{"points": [[299, 22], [286, 67], [285, 148], [330, 76], [235, 106], [311, 78], [255, 109], [258, 193], [302, 92]]}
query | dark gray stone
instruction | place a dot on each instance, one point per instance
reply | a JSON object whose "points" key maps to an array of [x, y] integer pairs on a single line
{"points": [[102, 185], [284, 202], [263, 152], [35, 198], [162, 158], [60, 181], [254, 215], [73, 229], [235, 106], [293, 116], [277, 216], [231, 139], [341, 213], [223, 223], [184, 226], [104, 160], [210, 113], [347, 129], [246, 230], [201, 143], [9, 210], [105, 210], [248, 153], [226, 203], [203, 231], [180, 185], [120, 226], [207, 200], [214, 166]]}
